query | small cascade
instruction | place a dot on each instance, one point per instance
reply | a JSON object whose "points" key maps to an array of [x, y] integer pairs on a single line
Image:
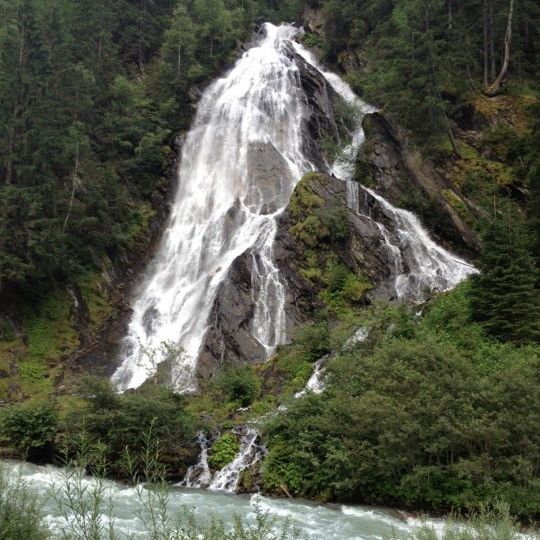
{"points": [[359, 336], [353, 195], [268, 292], [315, 383], [228, 478], [250, 453], [392, 250], [199, 475], [420, 264]]}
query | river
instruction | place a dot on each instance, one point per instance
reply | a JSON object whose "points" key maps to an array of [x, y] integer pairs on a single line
{"points": [[316, 521]]}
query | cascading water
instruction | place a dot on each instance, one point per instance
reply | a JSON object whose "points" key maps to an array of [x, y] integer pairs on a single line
{"points": [[419, 264], [220, 212], [430, 267], [225, 207], [227, 478], [199, 475]]}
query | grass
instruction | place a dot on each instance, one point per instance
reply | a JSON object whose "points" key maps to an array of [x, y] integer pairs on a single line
{"points": [[32, 362]]}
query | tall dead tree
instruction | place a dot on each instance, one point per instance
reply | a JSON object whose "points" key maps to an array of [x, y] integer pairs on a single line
{"points": [[501, 79], [486, 45]]}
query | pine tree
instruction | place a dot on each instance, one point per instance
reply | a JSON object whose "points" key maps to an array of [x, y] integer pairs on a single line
{"points": [[504, 295]]}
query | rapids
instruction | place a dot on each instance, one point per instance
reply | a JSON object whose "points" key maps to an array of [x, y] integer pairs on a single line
{"points": [[316, 521]]}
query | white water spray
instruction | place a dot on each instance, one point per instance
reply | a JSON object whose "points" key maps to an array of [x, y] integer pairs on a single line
{"points": [[420, 266], [227, 204], [224, 206]]}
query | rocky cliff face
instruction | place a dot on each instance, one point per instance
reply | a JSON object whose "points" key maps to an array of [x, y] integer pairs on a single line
{"points": [[229, 338], [386, 164], [399, 173]]}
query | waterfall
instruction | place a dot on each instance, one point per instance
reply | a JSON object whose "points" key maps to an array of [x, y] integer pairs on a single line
{"points": [[250, 453], [430, 267], [228, 478], [419, 265], [224, 206], [315, 383], [199, 474], [239, 165]]}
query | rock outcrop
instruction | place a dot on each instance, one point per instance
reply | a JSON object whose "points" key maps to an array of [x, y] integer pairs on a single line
{"points": [[229, 338], [402, 176]]}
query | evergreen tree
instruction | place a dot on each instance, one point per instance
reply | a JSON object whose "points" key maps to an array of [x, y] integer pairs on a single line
{"points": [[504, 295]]}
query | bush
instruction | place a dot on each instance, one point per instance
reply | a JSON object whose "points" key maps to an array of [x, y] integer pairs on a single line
{"points": [[313, 340], [31, 429], [422, 415], [335, 219], [119, 421], [487, 524], [239, 384], [20, 512], [224, 450]]}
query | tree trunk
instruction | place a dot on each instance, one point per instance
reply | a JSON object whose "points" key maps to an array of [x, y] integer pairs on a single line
{"points": [[73, 187], [493, 68], [503, 75], [486, 49], [179, 61]]}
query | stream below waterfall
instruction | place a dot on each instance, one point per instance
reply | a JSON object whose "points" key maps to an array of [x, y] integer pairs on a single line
{"points": [[316, 521]]}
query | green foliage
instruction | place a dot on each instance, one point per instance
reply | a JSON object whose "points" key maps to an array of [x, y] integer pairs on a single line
{"points": [[505, 296], [20, 511], [422, 60], [49, 333], [224, 450], [336, 221], [31, 429], [118, 421], [91, 95], [486, 524], [313, 339], [421, 414], [83, 502], [324, 228], [239, 385]]}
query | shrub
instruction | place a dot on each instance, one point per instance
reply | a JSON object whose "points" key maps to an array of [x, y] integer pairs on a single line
{"points": [[20, 511], [336, 221], [313, 340], [486, 524], [224, 450], [239, 384], [422, 415], [31, 429], [118, 421]]}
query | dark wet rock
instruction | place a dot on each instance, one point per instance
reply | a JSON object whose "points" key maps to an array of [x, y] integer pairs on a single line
{"points": [[268, 171], [403, 177], [313, 20], [362, 252], [79, 313], [229, 339], [320, 118]]}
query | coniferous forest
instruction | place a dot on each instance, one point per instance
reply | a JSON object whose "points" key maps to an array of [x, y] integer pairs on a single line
{"points": [[435, 408]]}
